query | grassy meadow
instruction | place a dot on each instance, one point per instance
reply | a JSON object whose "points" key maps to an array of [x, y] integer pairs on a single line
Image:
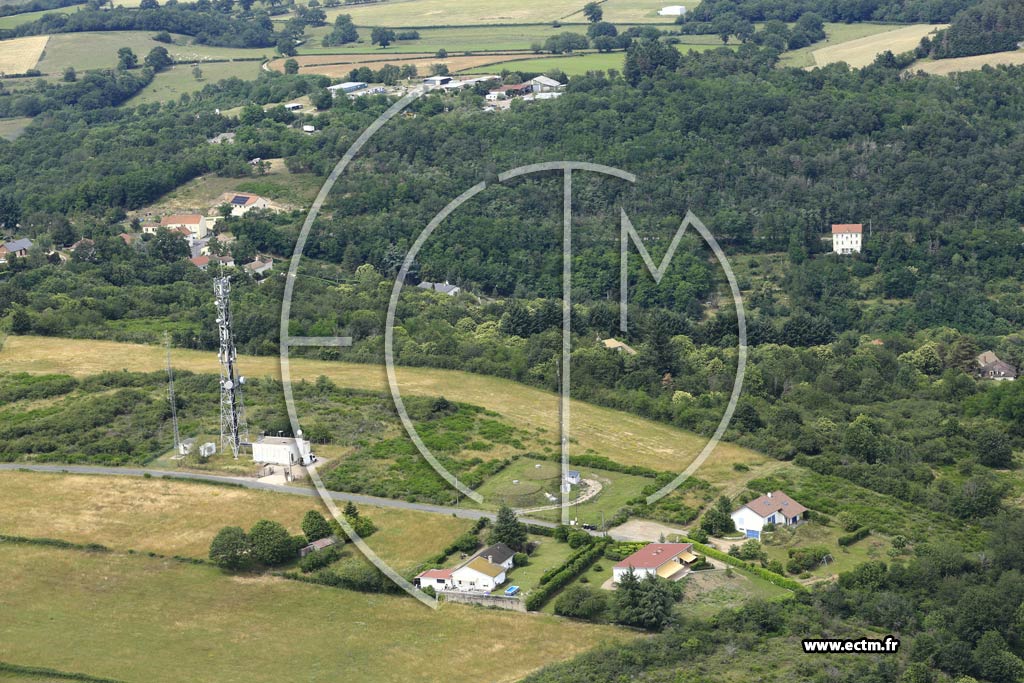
{"points": [[18, 55], [136, 618], [835, 34], [98, 50], [279, 184], [944, 67], [181, 518], [862, 51], [580, 63], [11, 129]]}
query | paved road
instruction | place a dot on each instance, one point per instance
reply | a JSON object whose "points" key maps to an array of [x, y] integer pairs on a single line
{"points": [[465, 513]]}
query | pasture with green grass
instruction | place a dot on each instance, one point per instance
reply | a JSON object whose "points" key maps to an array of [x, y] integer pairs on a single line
{"points": [[12, 129], [580, 63], [137, 618]]}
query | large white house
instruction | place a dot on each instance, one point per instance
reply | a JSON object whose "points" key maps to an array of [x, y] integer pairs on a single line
{"points": [[771, 508], [846, 238], [667, 560], [478, 575], [282, 450], [195, 223]]}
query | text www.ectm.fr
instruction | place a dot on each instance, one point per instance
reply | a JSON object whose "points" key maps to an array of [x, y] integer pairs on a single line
{"points": [[888, 644]]}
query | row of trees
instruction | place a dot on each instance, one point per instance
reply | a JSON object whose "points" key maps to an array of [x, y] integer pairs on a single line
{"points": [[268, 543], [845, 11]]}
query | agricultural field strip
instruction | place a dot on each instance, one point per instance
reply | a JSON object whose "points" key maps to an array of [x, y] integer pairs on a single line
{"points": [[21, 54], [464, 513]]}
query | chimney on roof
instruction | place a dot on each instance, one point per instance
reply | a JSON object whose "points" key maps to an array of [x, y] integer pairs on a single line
{"points": [[490, 558]]}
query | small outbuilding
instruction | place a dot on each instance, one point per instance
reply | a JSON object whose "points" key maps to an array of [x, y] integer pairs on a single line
{"points": [[317, 545]]}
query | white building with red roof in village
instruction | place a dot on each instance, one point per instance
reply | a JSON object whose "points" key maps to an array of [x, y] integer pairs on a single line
{"points": [[195, 223]]}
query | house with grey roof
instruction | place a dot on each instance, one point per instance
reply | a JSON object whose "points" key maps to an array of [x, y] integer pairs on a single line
{"points": [[442, 287], [18, 247]]}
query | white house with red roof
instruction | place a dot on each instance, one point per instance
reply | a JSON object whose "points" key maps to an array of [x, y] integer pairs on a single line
{"points": [[846, 238], [771, 508], [438, 579], [667, 560]]}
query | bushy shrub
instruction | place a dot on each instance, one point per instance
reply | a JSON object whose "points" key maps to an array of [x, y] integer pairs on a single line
{"points": [[320, 559], [858, 534], [581, 602]]}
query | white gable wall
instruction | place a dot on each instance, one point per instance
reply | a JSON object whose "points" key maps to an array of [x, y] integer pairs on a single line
{"points": [[746, 519], [466, 579]]}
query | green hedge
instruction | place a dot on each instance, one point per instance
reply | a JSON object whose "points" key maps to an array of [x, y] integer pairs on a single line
{"points": [[853, 536], [770, 577], [553, 581], [538, 530], [55, 543], [50, 674]]}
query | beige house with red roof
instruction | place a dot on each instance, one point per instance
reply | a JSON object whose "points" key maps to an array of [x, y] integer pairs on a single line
{"points": [[195, 223], [771, 508], [846, 238], [667, 560], [242, 203]]}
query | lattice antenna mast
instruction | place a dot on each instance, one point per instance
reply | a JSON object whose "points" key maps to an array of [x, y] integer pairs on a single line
{"points": [[233, 429], [170, 395]]}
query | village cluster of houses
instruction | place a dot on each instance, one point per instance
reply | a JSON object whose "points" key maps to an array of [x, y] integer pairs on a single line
{"points": [[673, 561], [197, 230]]}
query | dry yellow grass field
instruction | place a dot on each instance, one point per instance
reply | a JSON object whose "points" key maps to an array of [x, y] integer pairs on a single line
{"points": [[18, 55], [181, 518], [135, 618], [339, 66], [620, 436], [862, 51], [944, 67]]}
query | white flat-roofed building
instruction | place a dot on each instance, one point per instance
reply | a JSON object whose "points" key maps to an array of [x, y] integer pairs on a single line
{"points": [[346, 87], [282, 450]]}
